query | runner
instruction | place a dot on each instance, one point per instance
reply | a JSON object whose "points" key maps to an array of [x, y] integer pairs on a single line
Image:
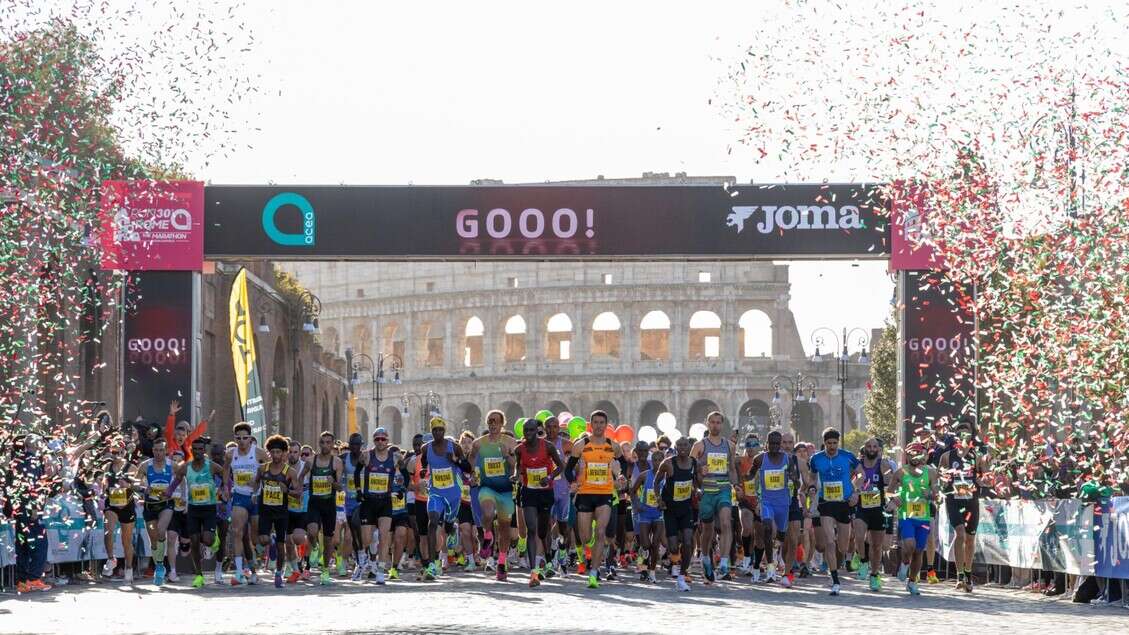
{"points": [[156, 476], [753, 540], [440, 458], [420, 486], [870, 519], [649, 526], [835, 468], [715, 457], [297, 508], [120, 512], [538, 466], [598, 478], [200, 518], [912, 487], [377, 474], [679, 475], [776, 483], [221, 548], [352, 525], [277, 482], [564, 533], [401, 525], [962, 470], [323, 479], [493, 457], [461, 547], [242, 462]]}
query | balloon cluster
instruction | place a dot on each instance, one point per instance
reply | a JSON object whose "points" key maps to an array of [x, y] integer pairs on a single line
{"points": [[1006, 127]]}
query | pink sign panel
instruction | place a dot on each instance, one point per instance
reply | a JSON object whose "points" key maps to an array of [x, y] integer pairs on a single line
{"points": [[907, 227], [153, 225]]}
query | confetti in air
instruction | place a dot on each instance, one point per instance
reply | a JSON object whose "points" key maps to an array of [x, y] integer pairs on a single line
{"points": [[1011, 122]]}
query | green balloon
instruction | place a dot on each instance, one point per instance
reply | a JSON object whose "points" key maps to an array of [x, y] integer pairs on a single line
{"points": [[519, 427], [576, 427], [542, 415]]}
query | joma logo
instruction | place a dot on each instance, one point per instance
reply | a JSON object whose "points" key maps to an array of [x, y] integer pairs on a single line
{"points": [[787, 217]]}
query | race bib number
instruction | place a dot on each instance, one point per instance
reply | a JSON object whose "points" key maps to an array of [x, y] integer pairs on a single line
{"points": [[243, 478], [443, 478], [464, 492], [833, 491], [750, 488], [870, 499], [682, 490], [294, 503], [917, 509], [398, 503], [272, 494], [963, 490], [340, 498], [597, 473], [118, 497], [717, 463], [774, 480], [157, 490], [178, 503], [495, 466], [200, 494], [377, 483], [650, 499], [533, 476], [322, 485]]}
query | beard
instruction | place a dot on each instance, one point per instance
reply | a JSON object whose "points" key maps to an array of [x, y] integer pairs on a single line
{"points": [[871, 456]]}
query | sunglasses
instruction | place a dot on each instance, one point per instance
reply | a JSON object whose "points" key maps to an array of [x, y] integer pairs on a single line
{"points": [[306, 454], [242, 438], [380, 438]]}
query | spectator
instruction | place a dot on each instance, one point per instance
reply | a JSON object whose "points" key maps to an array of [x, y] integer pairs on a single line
{"points": [[28, 489]]}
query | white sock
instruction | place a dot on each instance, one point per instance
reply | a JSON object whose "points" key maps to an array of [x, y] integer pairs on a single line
{"points": [[724, 562], [238, 564], [219, 568], [677, 571]]}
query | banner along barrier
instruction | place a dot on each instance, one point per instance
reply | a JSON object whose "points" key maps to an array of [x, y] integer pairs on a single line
{"points": [[846, 221]]}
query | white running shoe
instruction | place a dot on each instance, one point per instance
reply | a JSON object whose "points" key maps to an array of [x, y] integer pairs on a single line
{"points": [[359, 572], [834, 589], [380, 575], [128, 575], [756, 575], [217, 578], [254, 579], [172, 577], [681, 585], [786, 582], [205, 552], [108, 568]]}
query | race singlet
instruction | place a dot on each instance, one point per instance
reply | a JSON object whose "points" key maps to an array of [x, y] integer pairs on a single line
{"points": [[682, 490], [597, 473], [774, 480], [833, 491]]}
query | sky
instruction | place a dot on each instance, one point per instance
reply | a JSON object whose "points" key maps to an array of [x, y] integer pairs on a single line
{"points": [[443, 93]]}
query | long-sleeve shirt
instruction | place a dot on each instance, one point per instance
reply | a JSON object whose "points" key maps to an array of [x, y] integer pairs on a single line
{"points": [[170, 436]]}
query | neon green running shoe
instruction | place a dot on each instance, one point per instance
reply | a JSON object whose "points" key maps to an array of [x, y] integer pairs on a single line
{"points": [[593, 583], [393, 574], [198, 582]]}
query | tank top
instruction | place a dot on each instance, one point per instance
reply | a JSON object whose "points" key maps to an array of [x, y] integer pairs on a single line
{"points": [[117, 487], [492, 467], [773, 480], [960, 477], [349, 486], [534, 465], [322, 485], [419, 484], [914, 493], [441, 477], [750, 484], [649, 497], [201, 485], [275, 488], [717, 465], [299, 504], [243, 468], [872, 494], [561, 485], [596, 478], [159, 482], [378, 475], [679, 486]]}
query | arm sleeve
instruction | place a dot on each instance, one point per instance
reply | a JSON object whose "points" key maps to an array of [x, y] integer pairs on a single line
{"points": [[570, 468]]}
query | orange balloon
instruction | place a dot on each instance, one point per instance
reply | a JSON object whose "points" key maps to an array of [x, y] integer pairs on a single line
{"points": [[624, 433]]}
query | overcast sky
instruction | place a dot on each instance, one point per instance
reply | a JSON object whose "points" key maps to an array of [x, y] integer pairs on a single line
{"points": [[428, 93]]}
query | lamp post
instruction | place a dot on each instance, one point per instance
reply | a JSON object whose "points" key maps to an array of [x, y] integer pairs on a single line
{"points": [[842, 368], [376, 372], [429, 405], [795, 387]]}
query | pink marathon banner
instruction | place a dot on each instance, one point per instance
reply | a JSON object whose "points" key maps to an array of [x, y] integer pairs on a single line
{"points": [[153, 225]]}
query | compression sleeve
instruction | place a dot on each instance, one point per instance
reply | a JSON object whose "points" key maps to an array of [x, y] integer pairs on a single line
{"points": [[570, 468]]}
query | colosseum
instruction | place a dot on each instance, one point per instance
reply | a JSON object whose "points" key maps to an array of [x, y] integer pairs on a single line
{"points": [[636, 339]]}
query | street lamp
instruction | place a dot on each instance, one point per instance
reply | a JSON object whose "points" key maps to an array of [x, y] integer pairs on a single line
{"points": [[375, 369], [310, 306], [842, 368], [429, 404], [795, 387]]}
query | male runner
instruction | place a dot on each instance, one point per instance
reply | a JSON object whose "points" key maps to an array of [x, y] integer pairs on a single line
{"points": [[277, 482], [598, 478], [776, 483], [912, 489], [401, 519], [493, 456], [441, 458], [156, 476], [376, 475], [200, 519], [962, 469], [753, 542], [716, 458], [242, 463], [649, 528], [836, 469], [297, 508], [323, 478], [562, 497], [681, 478], [352, 502], [120, 512], [870, 521], [538, 466]]}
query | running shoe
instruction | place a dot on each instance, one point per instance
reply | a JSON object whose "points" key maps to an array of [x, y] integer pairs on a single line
{"points": [[487, 549], [108, 568], [903, 571], [911, 586], [325, 580], [218, 579], [172, 576], [278, 579], [786, 581], [864, 570], [592, 582], [238, 579], [875, 583], [501, 574], [534, 579], [429, 573], [38, 585], [293, 577], [681, 585], [159, 575], [834, 589], [855, 563], [254, 579], [340, 567], [393, 574], [651, 577], [548, 571], [932, 577], [358, 572], [198, 582], [756, 574], [380, 576]]}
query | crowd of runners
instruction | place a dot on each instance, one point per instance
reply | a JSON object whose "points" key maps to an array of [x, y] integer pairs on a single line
{"points": [[549, 504]]}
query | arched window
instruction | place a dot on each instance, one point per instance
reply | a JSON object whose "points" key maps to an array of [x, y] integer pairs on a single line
{"points": [[472, 342], [756, 334], [515, 339], [431, 342], [605, 335], [654, 337], [393, 340], [705, 335], [559, 329]]}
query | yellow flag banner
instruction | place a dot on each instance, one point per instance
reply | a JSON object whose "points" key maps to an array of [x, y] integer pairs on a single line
{"points": [[247, 383], [352, 413]]}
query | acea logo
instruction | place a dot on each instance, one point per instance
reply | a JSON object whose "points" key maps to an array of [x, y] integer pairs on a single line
{"points": [[304, 238]]}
